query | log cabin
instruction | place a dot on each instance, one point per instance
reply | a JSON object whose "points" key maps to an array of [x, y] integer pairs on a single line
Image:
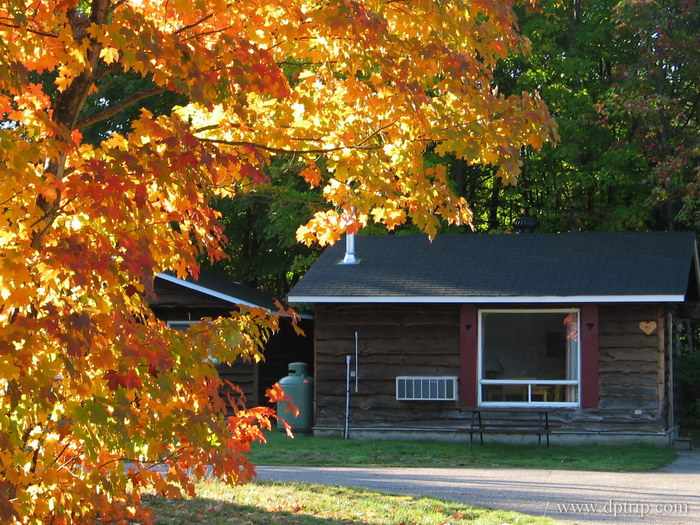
{"points": [[181, 302], [412, 338]]}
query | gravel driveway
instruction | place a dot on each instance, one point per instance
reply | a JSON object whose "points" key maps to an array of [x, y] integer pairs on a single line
{"points": [[668, 495]]}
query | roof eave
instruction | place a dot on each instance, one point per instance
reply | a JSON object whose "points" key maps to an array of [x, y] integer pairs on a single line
{"points": [[491, 300]]}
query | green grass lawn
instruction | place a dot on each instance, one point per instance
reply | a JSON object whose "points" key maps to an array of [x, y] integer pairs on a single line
{"points": [[310, 451], [264, 503]]}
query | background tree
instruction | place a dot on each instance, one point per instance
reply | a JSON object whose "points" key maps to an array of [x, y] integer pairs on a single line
{"points": [[262, 251], [352, 91], [654, 101], [621, 81]]}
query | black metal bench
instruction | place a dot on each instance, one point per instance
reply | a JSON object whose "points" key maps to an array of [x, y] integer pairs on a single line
{"points": [[538, 426]]}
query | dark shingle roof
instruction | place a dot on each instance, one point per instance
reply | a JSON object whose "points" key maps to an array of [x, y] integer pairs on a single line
{"points": [[615, 266]]}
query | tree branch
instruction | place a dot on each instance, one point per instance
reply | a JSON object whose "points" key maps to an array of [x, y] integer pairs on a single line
{"points": [[289, 63], [117, 108], [194, 24], [282, 151], [112, 67], [206, 33], [54, 211], [360, 145], [17, 194], [17, 26]]}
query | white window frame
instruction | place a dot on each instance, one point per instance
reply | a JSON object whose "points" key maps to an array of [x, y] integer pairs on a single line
{"points": [[530, 382], [452, 379], [189, 322]]}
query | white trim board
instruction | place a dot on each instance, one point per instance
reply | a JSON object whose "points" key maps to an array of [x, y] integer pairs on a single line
{"points": [[188, 322], [490, 300]]}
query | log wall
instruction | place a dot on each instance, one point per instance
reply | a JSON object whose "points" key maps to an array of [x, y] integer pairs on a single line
{"points": [[398, 340], [394, 340], [243, 374]]}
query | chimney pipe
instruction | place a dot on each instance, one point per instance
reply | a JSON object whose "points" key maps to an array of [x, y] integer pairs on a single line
{"points": [[349, 249]]}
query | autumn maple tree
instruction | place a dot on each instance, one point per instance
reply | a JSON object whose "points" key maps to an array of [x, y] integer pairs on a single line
{"points": [[94, 390]]}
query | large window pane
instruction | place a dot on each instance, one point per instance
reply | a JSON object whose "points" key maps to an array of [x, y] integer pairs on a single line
{"points": [[530, 345], [549, 393], [529, 357]]}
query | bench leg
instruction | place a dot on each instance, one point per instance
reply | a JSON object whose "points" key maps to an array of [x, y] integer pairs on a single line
{"points": [[544, 425], [476, 416], [481, 434]]}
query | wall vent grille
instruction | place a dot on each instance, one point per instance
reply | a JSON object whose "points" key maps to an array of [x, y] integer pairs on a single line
{"points": [[426, 388]]}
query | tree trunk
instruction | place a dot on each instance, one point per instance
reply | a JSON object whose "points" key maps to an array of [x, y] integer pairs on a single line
{"points": [[494, 203]]}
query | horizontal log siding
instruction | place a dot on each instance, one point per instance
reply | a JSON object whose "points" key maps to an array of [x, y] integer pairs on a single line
{"points": [[394, 340], [419, 340], [244, 375], [628, 369]]}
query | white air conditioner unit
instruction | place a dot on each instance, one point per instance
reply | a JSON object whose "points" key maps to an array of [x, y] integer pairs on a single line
{"points": [[426, 388]]}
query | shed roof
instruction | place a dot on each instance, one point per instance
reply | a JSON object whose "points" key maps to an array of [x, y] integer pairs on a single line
{"points": [[525, 268], [224, 289]]}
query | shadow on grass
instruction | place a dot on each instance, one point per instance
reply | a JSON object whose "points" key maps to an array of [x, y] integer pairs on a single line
{"points": [[265, 502], [215, 512]]}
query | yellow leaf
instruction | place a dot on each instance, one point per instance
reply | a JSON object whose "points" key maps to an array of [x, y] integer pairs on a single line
{"points": [[109, 55]]}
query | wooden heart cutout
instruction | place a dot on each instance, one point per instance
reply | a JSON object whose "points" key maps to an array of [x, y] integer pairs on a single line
{"points": [[647, 327]]}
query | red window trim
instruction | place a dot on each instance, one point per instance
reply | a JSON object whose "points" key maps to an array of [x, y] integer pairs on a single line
{"points": [[589, 356], [469, 355]]}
